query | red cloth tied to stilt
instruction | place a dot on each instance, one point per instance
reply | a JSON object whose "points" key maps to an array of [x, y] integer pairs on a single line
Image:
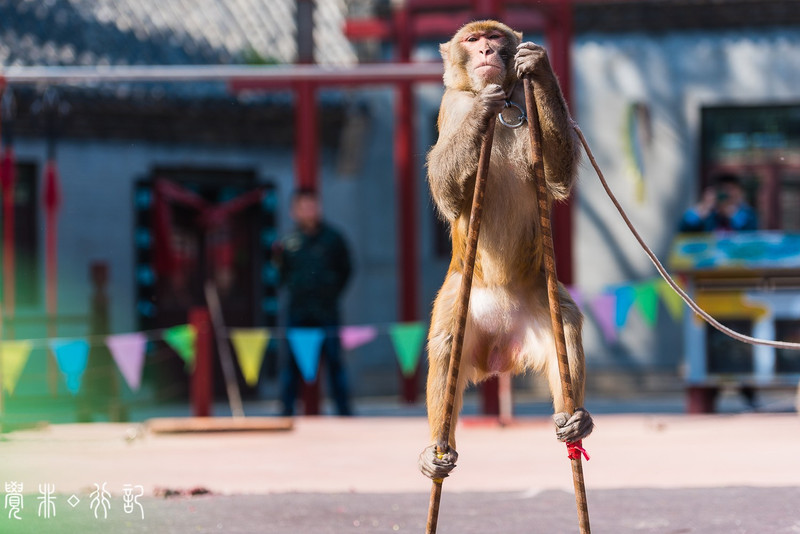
{"points": [[575, 449]]}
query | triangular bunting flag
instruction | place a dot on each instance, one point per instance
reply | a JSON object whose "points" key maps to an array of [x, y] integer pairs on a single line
{"points": [[407, 339], [353, 337], [577, 295], [626, 296], [71, 355], [14, 355], [250, 344], [647, 301], [306, 344], [603, 307], [128, 352], [182, 339], [672, 300]]}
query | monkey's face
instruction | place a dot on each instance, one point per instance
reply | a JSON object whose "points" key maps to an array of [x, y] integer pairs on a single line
{"points": [[480, 53], [485, 61]]}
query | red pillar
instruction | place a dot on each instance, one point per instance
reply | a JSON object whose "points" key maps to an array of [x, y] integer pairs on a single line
{"points": [[306, 144], [201, 382], [407, 221], [559, 39], [311, 396], [490, 396], [2, 90], [306, 136], [306, 167], [51, 199], [9, 179], [487, 8], [404, 143]]}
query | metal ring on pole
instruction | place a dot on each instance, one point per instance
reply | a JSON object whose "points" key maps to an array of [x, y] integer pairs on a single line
{"points": [[521, 119]]}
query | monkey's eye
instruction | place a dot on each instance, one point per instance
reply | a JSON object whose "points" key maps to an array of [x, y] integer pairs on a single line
{"points": [[471, 39], [495, 36]]}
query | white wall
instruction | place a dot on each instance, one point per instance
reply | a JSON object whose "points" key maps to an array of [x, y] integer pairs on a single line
{"points": [[675, 75]]}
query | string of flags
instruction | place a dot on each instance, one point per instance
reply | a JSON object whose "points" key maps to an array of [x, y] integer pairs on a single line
{"points": [[129, 350], [610, 309]]}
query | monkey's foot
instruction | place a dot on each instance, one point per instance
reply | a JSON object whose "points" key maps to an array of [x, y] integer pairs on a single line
{"points": [[433, 465], [574, 428]]}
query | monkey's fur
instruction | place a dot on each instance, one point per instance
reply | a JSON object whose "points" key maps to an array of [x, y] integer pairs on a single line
{"points": [[508, 325]]}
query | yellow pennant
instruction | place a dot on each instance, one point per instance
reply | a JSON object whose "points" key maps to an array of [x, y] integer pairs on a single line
{"points": [[14, 357], [250, 344]]}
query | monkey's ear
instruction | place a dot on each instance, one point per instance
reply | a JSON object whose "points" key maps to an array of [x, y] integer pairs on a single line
{"points": [[519, 36], [448, 77], [444, 50]]}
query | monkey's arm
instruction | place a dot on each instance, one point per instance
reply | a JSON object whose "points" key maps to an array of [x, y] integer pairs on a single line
{"points": [[463, 117], [560, 148]]}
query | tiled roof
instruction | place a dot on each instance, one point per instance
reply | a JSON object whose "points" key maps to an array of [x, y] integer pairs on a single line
{"points": [[211, 118], [120, 32]]}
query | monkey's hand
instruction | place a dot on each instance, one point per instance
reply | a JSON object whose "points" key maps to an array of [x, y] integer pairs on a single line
{"points": [[574, 428], [531, 59], [432, 466], [490, 101]]}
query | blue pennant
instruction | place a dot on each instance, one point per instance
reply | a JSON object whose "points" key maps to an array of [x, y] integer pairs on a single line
{"points": [[306, 344]]}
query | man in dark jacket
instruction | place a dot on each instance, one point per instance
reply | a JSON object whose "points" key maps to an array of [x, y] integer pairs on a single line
{"points": [[314, 264]]}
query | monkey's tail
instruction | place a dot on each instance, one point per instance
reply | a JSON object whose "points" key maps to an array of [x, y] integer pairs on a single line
{"points": [[663, 272]]}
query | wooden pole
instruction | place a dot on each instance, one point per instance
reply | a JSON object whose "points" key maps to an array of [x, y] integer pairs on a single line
{"points": [[462, 306], [226, 359], [552, 294]]}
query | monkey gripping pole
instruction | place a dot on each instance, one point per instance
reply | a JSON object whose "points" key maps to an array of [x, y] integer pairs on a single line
{"points": [[460, 315], [535, 132]]}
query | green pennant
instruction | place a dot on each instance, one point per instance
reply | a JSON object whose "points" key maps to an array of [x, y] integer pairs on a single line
{"points": [[407, 339], [647, 301], [182, 339]]}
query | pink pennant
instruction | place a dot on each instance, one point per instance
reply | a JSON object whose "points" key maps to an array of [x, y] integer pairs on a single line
{"points": [[577, 295], [353, 337], [604, 307], [128, 351]]}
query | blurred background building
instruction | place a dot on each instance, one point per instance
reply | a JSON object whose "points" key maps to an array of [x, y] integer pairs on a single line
{"points": [[667, 92]]}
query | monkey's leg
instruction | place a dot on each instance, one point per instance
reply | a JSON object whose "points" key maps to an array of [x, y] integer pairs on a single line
{"points": [[440, 341], [570, 428]]}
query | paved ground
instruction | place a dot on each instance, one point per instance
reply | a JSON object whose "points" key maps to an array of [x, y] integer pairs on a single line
{"points": [[632, 511], [653, 473]]}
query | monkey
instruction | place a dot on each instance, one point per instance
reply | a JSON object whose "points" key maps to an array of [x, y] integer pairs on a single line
{"points": [[508, 327]]}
